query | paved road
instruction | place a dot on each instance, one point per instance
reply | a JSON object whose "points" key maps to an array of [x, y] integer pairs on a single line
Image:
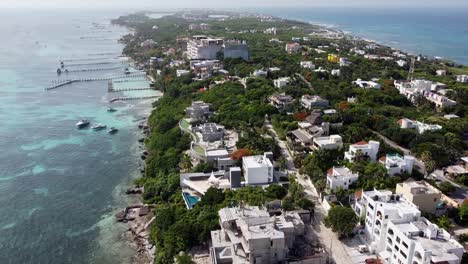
{"points": [[418, 164], [324, 234], [304, 80]]}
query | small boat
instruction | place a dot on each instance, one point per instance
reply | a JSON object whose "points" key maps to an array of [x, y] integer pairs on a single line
{"points": [[98, 127], [112, 130], [111, 109], [82, 123]]}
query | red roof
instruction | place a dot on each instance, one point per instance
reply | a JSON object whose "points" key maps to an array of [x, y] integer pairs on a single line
{"points": [[330, 171], [361, 143], [358, 194], [383, 158], [400, 122]]}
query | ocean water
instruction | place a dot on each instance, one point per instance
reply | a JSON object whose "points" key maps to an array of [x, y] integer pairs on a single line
{"points": [[434, 32], [60, 186]]}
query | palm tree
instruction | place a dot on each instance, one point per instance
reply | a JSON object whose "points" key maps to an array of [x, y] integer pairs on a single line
{"points": [[186, 163]]}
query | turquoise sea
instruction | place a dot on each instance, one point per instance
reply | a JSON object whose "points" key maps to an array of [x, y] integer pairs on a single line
{"points": [[60, 186], [430, 31]]}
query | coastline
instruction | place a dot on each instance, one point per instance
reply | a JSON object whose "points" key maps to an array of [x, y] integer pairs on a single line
{"points": [[137, 225]]}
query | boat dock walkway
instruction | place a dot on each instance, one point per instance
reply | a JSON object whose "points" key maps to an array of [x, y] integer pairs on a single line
{"points": [[111, 89], [66, 82], [132, 80], [94, 69], [90, 63], [133, 98]]}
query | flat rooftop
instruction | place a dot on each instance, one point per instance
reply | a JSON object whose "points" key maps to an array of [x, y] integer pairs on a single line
{"points": [[258, 161]]}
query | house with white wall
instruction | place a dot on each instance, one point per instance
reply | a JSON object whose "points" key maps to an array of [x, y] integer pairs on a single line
{"points": [[420, 127], [340, 178], [281, 82], [363, 149], [258, 169], [328, 142], [396, 164]]}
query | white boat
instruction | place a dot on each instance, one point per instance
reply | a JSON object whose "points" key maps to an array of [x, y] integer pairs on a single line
{"points": [[98, 127], [113, 130], [82, 123]]}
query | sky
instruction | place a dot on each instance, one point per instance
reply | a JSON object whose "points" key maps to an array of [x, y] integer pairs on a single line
{"points": [[224, 4]]}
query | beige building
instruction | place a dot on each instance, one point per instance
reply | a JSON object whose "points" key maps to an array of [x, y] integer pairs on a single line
{"points": [[250, 235], [423, 195]]}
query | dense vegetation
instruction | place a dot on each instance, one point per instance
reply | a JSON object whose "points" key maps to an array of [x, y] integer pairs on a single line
{"points": [[244, 109]]}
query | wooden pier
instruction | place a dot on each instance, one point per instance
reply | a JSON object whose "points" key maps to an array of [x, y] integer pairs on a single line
{"points": [[94, 69], [90, 63], [66, 82], [133, 98]]}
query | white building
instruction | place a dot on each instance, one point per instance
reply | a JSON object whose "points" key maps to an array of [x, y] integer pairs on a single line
{"points": [[307, 65], [344, 62], [336, 72], [180, 73], [340, 178], [330, 142], [427, 89], [258, 169], [259, 73], [250, 235], [420, 241], [441, 72], [401, 63], [462, 78], [202, 47], [270, 31], [396, 164], [366, 84], [420, 127], [378, 208], [292, 47], [398, 234], [281, 82], [363, 149], [311, 101]]}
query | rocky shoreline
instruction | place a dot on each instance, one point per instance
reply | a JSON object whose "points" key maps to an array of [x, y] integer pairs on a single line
{"points": [[139, 216]]}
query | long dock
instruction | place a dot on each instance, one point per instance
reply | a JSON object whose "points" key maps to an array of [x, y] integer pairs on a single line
{"points": [[63, 83], [132, 80], [95, 69], [111, 89], [133, 98], [89, 59], [90, 63]]}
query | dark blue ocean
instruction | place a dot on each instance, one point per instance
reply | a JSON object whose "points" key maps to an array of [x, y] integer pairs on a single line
{"points": [[434, 32]]}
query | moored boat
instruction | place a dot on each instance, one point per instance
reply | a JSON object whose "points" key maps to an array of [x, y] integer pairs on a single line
{"points": [[113, 130], [98, 127], [82, 123]]}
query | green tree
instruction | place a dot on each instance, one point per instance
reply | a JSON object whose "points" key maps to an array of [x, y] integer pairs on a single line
{"points": [[428, 161], [444, 222], [275, 191], [186, 163], [463, 212], [446, 187], [341, 220]]}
